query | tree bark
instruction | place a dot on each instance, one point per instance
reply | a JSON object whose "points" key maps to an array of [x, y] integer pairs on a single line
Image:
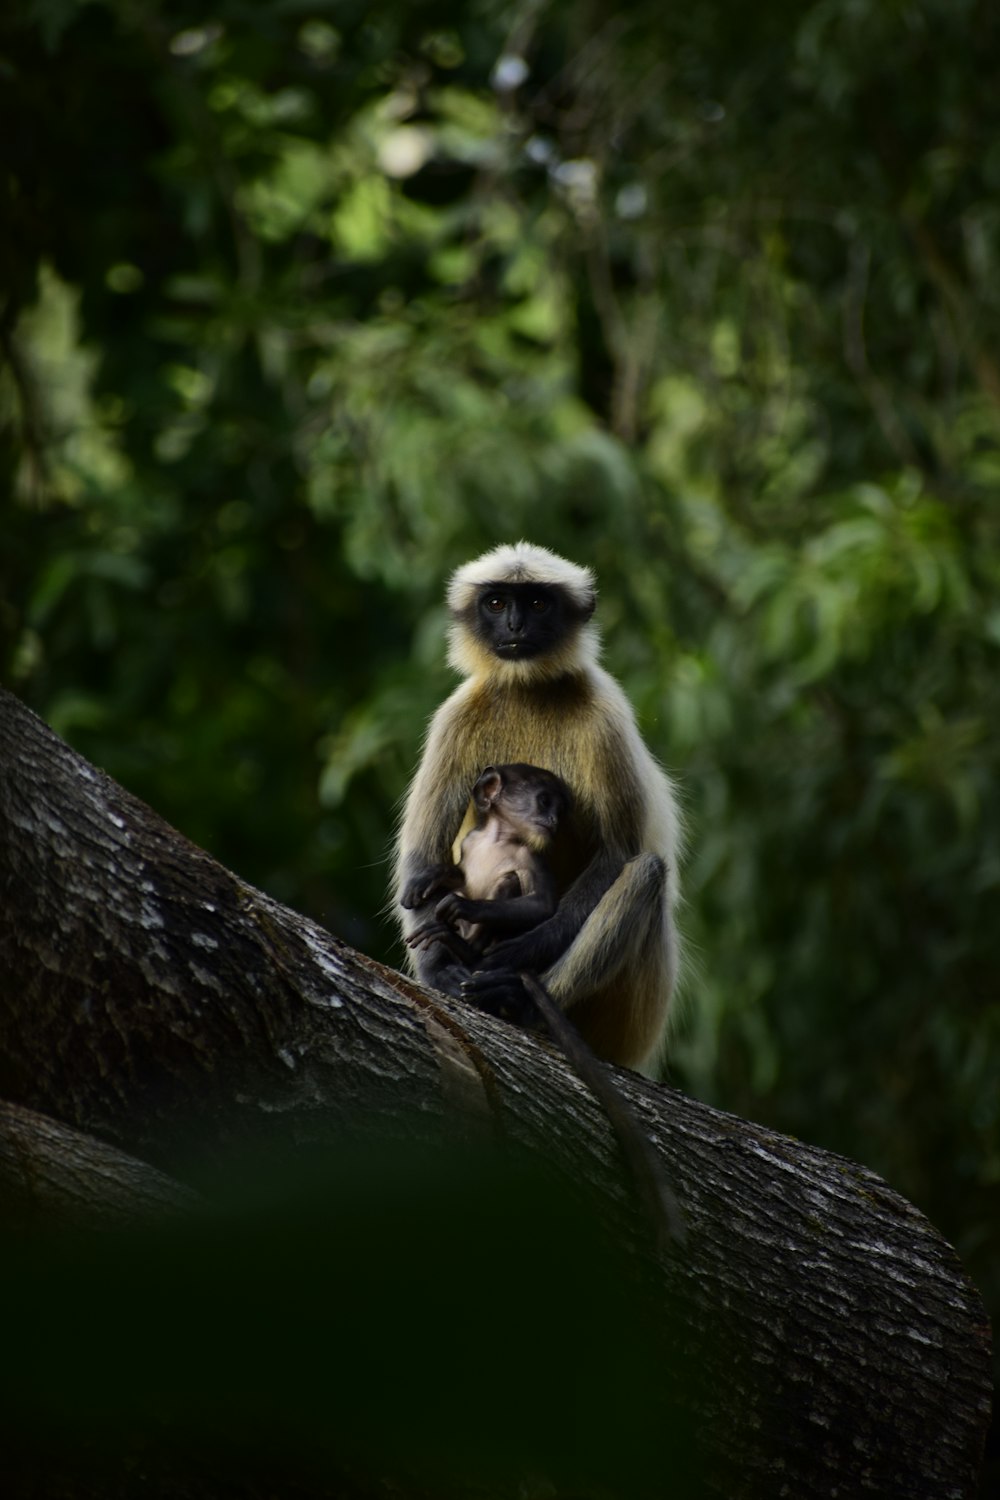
{"points": [[818, 1337], [52, 1175]]}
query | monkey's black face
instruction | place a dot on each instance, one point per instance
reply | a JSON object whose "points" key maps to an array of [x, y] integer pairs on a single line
{"points": [[518, 621], [543, 806], [523, 794]]}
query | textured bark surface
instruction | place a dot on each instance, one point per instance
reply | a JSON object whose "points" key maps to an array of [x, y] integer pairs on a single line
{"points": [[52, 1175], [154, 1002]]}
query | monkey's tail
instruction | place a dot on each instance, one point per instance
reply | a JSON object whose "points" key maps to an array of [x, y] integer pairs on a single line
{"points": [[642, 1161]]}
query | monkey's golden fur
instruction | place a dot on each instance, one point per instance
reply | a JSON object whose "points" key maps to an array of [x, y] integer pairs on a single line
{"points": [[563, 712]]}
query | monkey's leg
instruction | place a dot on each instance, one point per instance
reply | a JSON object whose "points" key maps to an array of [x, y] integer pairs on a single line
{"points": [[618, 933], [618, 991], [621, 942]]}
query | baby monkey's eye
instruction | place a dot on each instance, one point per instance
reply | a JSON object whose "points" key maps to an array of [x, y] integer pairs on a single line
{"points": [[539, 604], [495, 603]]}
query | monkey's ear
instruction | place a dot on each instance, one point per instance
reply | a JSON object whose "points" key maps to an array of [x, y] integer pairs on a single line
{"points": [[487, 789]]}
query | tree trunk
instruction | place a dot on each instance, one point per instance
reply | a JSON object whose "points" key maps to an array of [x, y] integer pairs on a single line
{"points": [[813, 1336]]}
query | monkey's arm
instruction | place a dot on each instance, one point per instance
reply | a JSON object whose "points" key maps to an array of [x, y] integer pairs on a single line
{"points": [[435, 806], [508, 910], [504, 914], [540, 946], [425, 883]]}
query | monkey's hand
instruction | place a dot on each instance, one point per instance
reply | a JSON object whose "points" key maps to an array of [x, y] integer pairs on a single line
{"points": [[455, 908], [502, 994], [431, 932], [497, 916], [534, 950], [429, 881], [440, 932]]}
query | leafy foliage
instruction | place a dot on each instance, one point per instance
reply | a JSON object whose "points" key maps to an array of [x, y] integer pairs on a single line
{"points": [[306, 305]]}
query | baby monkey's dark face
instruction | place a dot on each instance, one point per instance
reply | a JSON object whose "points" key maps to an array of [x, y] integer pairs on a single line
{"points": [[518, 621], [526, 798]]}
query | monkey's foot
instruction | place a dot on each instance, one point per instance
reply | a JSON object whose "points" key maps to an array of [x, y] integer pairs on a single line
{"points": [[501, 993]]}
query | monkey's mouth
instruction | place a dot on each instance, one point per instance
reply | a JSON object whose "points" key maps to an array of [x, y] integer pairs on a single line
{"points": [[514, 648]]}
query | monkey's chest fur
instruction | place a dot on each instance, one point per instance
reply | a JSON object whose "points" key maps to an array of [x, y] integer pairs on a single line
{"points": [[549, 724], [562, 726]]}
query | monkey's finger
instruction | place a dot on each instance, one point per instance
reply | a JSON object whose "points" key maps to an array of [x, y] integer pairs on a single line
{"points": [[434, 932], [417, 895], [425, 884], [409, 899], [483, 985]]}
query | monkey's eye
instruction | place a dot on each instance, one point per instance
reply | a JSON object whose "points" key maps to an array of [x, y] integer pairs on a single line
{"points": [[495, 603], [539, 604]]}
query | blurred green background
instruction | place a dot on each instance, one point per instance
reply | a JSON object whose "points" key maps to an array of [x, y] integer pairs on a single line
{"points": [[304, 304]]}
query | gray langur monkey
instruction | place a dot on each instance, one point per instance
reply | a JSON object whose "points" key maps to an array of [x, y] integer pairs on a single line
{"points": [[534, 694], [505, 884]]}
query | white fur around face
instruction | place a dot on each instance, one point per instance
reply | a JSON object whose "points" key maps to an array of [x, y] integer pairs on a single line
{"points": [[520, 562]]}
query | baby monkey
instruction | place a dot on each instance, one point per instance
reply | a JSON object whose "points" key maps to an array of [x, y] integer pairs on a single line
{"points": [[503, 884], [509, 888]]}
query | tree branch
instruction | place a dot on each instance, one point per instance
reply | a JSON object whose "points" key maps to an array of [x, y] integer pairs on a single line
{"points": [[815, 1334], [51, 1175]]}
